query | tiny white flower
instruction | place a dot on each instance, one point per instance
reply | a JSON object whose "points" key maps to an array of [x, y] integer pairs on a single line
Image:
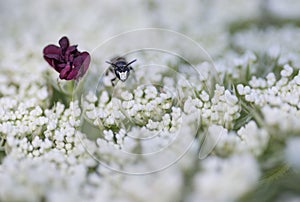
{"points": [[230, 99], [166, 96], [36, 142], [247, 90], [197, 103], [271, 79], [287, 71], [250, 98], [152, 125], [68, 146], [91, 97], [108, 135], [138, 92], [240, 89], [104, 98], [189, 106], [35, 153], [150, 92], [282, 82], [166, 105], [297, 79], [204, 96], [91, 114], [126, 95]]}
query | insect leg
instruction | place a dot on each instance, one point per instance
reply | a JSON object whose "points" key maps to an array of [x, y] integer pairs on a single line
{"points": [[112, 81], [110, 69]]}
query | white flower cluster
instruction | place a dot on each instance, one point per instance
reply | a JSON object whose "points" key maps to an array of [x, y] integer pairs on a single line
{"points": [[222, 109], [58, 127], [248, 139], [161, 187], [53, 177], [214, 183], [21, 103], [234, 67], [278, 99], [44, 155], [141, 122], [146, 107], [153, 122], [282, 43]]}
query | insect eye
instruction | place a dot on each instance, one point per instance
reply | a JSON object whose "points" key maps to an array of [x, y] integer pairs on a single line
{"points": [[119, 69]]}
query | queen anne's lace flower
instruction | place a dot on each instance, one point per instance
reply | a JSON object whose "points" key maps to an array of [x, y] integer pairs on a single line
{"points": [[221, 109], [207, 129], [144, 107], [214, 183], [277, 99]]}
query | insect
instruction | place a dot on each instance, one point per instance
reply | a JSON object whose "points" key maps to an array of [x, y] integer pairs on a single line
{"points": [[120, 68]]}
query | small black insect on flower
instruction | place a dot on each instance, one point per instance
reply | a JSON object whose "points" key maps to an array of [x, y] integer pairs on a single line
{"points": [[120, 68]]}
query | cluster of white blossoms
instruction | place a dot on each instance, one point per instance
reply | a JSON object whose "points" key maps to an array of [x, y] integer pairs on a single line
{"points": [[248, 139], [144, 107], [43, 146], [182, 127], [218, 173], [24, 124], [277, 98], [42, 178], [222, 109]]}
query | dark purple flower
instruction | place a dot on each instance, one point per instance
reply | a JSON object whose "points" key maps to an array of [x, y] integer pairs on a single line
{"points": [[67, 60]]}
